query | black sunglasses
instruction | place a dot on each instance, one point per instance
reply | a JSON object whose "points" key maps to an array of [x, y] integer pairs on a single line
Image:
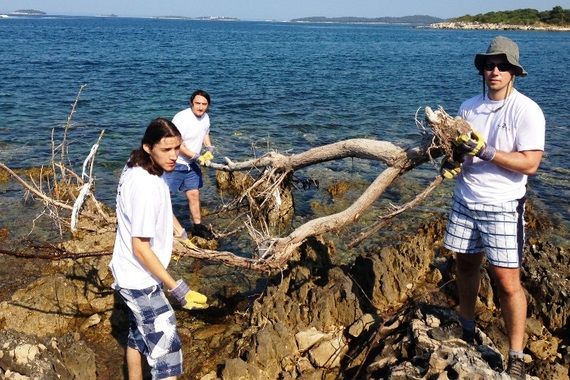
{"points": [[503, 66]]}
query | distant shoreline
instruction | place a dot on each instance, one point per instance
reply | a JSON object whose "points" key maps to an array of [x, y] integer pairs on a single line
{"points": [[498, 26]]}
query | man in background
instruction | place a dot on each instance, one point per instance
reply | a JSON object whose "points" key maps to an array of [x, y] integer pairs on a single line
{"points": [[194, 126]]}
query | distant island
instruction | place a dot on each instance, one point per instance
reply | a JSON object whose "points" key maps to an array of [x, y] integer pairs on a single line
{"points": [[207, 18], [557, 19], [412, 20], [27, 12]]}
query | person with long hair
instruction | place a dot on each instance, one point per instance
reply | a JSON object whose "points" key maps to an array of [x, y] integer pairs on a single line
{"points": [[142, 252]]}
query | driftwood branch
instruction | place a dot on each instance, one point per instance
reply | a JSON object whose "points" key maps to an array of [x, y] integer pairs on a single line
{"points": [[34, 190], [273, 253], [385, 219]]}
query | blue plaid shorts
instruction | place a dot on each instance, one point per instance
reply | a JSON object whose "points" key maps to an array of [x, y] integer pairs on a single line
{"points": [[152, 330], [496, 229]]}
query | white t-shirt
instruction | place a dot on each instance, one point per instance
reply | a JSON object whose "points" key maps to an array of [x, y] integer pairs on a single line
{"points": [[193, 131], [143, 210], [514, 125]]}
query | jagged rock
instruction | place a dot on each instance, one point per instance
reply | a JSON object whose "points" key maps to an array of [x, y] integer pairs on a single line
{"points": [[89, 322], [313, 294], [271, 345], [361, 325], [210, 376], [439, 358], [237, 369], [307, 338], [546, 274], [329, 353], [51, 305], [389, 278], [25, 356], [304, 365], [551, 371], [78, 359], [544, 349]]}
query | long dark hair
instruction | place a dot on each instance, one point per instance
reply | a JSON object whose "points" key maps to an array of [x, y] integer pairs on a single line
{"points": [[158, 129]]}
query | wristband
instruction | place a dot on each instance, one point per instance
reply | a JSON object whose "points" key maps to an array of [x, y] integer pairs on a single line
{"points": [[179, 292]]}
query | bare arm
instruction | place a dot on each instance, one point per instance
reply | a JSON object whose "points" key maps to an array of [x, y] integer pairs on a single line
{"points": [[187, 152], [525, 162], [207, 140], [145, 255]]}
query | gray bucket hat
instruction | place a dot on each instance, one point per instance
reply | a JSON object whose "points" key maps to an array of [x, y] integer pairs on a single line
{"points": [[501, 46]]}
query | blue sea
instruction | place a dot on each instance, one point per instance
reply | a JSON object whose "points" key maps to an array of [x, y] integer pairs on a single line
{"points": [[275, 86]]}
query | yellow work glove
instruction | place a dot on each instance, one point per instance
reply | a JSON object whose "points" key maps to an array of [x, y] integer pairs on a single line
{"points": [[187, 298], [206, 157], [450, 169], [474, 144]]}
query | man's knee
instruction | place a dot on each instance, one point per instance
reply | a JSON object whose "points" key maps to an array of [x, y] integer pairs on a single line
{"points": [[508, 280]]}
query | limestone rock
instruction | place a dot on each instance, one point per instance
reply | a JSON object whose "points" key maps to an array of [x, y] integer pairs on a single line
{"points": [[51, 305], [361, 325], [307, 338], [237, 369], [544, 349], [25, 356], [329, 353], [389, 278], [546, 273]]}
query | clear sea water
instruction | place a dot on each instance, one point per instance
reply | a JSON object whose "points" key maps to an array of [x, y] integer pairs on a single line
{"points": [[279, 86]]}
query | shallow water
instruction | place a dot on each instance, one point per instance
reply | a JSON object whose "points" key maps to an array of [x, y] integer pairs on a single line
{"points": [[274, 86]]}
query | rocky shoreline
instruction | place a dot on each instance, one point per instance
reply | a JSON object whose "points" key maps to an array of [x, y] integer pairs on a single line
{"points": [[373, 319], [498, 26]]}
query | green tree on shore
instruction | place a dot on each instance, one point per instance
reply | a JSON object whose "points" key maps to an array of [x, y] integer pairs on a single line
{"points": [[557, 16]]}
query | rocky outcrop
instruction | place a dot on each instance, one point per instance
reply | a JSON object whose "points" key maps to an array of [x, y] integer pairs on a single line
{"points": [[29, 357], [56, 304], [547, 278], [496, 26], [313, 320], [377, 319], [388, 278]]}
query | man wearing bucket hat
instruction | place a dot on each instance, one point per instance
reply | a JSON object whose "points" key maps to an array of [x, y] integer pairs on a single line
{"points": [[505, 146]]}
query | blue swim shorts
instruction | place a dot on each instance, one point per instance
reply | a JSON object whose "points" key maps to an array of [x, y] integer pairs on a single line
{"points": [[152, 330], [496, 229], [184, 178]]}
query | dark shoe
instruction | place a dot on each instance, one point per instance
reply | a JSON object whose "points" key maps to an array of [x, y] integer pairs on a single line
{"points": [[202, 231], [515, 369]]}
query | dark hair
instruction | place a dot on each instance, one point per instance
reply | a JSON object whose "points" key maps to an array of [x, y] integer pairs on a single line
{"points": [[201, 93], [158, 129]]}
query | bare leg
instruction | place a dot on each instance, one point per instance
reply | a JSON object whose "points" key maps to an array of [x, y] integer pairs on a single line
{"points": [[513, 304], [468, 282], [194, 204], [134, 364]]}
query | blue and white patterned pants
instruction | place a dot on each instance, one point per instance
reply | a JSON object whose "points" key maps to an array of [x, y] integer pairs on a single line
{"points": [[496, 229], [152, 330]]}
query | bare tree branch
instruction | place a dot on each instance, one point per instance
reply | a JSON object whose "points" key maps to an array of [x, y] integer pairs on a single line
{"points": [[275, 169]]}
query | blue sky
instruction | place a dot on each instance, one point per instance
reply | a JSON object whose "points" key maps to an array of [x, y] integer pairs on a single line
{"points": [[276, 9]]}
